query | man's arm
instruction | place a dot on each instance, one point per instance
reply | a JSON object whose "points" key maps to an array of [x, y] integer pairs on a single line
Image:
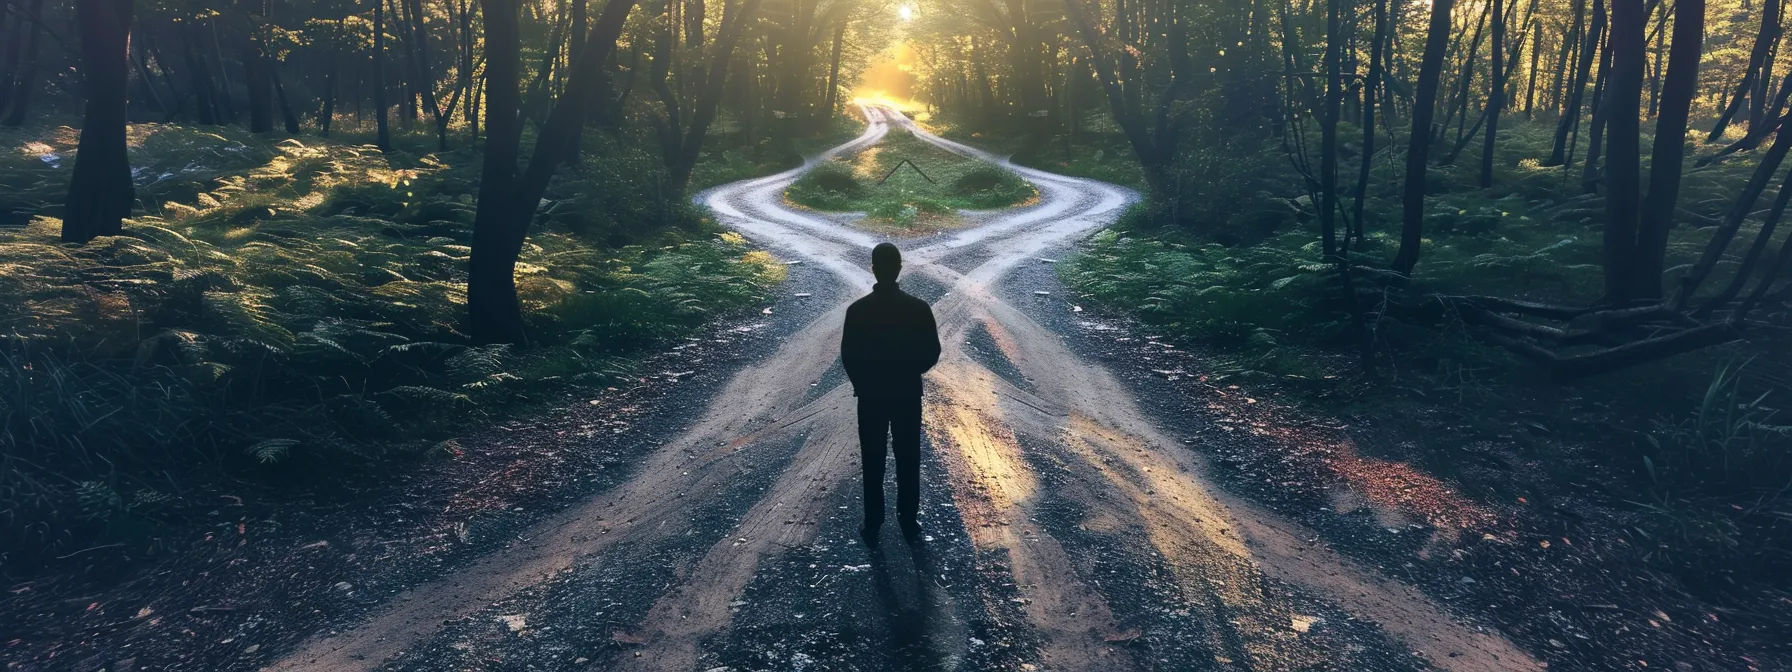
{"points": [[851, 347], [929, 353]]}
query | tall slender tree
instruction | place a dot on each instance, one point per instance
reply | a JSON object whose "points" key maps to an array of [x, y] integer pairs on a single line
{"points": [[1623, 172], [1669, 153], [1424, 106]]}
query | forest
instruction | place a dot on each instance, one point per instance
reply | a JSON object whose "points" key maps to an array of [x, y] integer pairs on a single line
{"points": [[414, 275]]}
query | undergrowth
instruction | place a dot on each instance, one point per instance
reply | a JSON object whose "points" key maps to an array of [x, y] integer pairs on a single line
{"points": [[1251, 287], [289, 312], [933, 183]]}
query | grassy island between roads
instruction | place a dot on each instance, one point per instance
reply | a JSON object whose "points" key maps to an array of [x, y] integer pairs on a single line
{"points": [[906, 183]]}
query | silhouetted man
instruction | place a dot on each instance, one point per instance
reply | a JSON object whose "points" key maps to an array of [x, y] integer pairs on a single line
{"points": [[890, 340]]}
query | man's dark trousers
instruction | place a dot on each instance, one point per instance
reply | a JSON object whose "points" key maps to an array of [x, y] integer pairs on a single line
{"points": [[895, 421]]}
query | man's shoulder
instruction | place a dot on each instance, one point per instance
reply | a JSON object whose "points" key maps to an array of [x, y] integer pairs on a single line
{"points": [[916, 302]]}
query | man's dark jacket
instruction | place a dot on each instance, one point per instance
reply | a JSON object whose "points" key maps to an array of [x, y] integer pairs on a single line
{"points": [[890, 340]]}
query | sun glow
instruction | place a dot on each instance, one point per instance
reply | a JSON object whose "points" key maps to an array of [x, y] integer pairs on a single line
{"points": [[907, 13]]}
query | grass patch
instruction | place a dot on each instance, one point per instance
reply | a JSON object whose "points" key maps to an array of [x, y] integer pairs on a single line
{"points": [[878, 182], [287, 312]]}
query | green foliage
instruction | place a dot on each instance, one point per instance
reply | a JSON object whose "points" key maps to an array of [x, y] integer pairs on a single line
{"points": [[906, 195], [1254, 297], [296, 316], [1718, 477]]}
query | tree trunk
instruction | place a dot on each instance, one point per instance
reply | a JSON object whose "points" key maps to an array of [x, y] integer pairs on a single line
{"points": [[1530, 91], [833, 98], [1328, 129], [1765, 40], [202, 86], [12, 32], [493, 313], [1424, 106], [383, 135], [261, 88], [1370, 89], [1623, 173], [327, 115], [709, 98], [1496, 90], [1589, 50], [1669, 153], [1570, 41], [24, 82], [1590, 173], [507, 198], [1150, 158], [286, 113], [100, 194], [1739, 211]]}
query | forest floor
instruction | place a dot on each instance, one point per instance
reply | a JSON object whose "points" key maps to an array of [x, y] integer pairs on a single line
{"points": [[1097, 498]]}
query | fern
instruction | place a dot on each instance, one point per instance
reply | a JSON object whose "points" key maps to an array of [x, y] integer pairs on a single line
{"points": [[269, 451]]}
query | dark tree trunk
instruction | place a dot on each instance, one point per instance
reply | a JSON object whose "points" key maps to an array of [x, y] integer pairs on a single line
{"points": [[1570, 42], [1660, 59], [1670, 147], [383, 136], [1740, 209], [1328, 129], [1590, 172], [1370, 89], [1765, 40], [12, 37], [286, 114], [327, 115], [24, 81], [1424, 106], [507, 197], [226, 108], [1589, 50], [493, 313], [1496, 90], [709, 97], [1151, 157], [100, 194], [261, 89], [202, 87], [426, 81], [832, 105], [1458, 109], [1530, 90], [1623, 173]]}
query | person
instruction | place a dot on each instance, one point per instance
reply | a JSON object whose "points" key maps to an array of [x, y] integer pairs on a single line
{"points": [[890, 339]]}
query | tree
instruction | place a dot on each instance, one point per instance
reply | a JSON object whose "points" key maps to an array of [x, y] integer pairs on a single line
{"points": [[1577, 86], [1754, 78], [1669, 153], [1424, 106], [24, 75], [1623, 173], [1496, 90], [681, 144], [100, 194], [383, 137], [508, 198]]}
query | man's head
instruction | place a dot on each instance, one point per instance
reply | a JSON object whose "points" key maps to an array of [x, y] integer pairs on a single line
{"points": [[886, 262]]}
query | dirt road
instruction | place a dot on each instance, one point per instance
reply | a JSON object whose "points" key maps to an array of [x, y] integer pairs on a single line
{"points": [[1068, 529]]}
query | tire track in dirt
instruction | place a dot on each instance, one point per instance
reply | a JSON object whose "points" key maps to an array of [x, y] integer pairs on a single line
{"points": [[755, 407]]}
